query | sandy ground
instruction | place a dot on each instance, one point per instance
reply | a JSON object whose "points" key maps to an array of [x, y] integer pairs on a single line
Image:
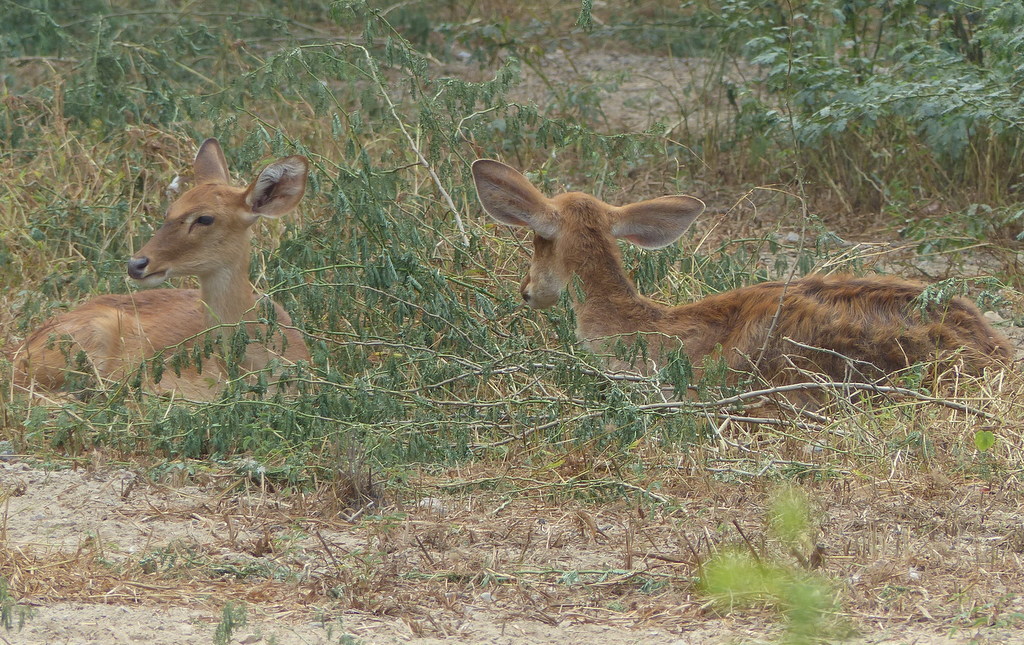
{"points": [[70, 515], [93, 546]]}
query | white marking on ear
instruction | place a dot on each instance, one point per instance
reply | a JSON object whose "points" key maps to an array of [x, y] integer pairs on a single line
{"points": [[174, 188]]}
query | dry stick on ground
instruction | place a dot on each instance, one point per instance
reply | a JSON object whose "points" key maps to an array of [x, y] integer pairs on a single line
{"points": [[770, 421], [529, 431], [825, 385], [823, 350], [739, 398], [753, 551], [819, 420], [538, 485]]}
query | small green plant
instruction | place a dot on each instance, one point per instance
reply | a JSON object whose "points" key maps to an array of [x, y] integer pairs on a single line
{"points": [[994, 614], [738, 577], [987, 465], [233, 617], [10, 611], [984, 440]]}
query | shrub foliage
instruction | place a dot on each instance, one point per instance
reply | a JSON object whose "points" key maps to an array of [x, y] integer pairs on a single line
{"points": [[422, 351]]}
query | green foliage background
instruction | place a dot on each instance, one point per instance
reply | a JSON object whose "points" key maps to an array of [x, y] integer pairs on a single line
{"points": [[422, 352]]}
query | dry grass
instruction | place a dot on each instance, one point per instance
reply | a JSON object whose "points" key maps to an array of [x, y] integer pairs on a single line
{"points": [[912, 528], [918, 527]]}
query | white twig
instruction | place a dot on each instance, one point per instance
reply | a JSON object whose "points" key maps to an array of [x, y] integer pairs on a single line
{"points": [[796, 387], [412, 144]]}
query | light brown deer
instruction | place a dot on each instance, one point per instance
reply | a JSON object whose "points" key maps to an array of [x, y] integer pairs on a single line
{"points": [[205, 234], [848, 328]]}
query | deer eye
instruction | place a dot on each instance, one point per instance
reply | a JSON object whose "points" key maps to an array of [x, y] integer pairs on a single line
{"points": [[202, 220]]}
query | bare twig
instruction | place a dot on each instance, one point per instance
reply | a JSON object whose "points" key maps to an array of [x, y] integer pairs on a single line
{"points": [[753, 551], [831, 385], [372, 64]]}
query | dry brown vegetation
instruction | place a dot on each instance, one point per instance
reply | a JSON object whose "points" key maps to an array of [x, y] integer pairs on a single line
{"points": [[458, 467]]}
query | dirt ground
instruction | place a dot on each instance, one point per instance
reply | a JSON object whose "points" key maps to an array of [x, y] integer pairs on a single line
{"points": [[107, 557]]}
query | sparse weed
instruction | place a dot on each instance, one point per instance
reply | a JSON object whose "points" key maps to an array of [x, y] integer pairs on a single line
{"points": [[740, 576], [11, 613], [233, 617]]}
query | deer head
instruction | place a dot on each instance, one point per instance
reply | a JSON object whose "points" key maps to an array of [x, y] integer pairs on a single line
{"points": [[573, 230], [206, 230]]}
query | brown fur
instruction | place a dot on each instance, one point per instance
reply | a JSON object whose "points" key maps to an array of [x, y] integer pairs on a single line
{"points": [[117, 332], [849, 328]]}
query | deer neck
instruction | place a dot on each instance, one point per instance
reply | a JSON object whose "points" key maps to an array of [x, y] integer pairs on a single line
{"points": [[610, 303], [228, 296]]}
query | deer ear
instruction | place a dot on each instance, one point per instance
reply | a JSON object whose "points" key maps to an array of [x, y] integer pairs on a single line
{"points": [[511, 199], [655, 223], [210, 165], [278, 188]]}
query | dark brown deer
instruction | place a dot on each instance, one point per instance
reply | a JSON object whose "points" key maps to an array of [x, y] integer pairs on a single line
{"points": [[848, 328], [205, 234]]}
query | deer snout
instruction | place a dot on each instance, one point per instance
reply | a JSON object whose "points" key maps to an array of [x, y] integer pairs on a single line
{"points": [[541, 290], [142, 271], [524, 289], [137, 267]]}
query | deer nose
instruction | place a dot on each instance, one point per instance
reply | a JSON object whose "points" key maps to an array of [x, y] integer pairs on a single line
{"points": [[137, 267], [524, 289]]}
